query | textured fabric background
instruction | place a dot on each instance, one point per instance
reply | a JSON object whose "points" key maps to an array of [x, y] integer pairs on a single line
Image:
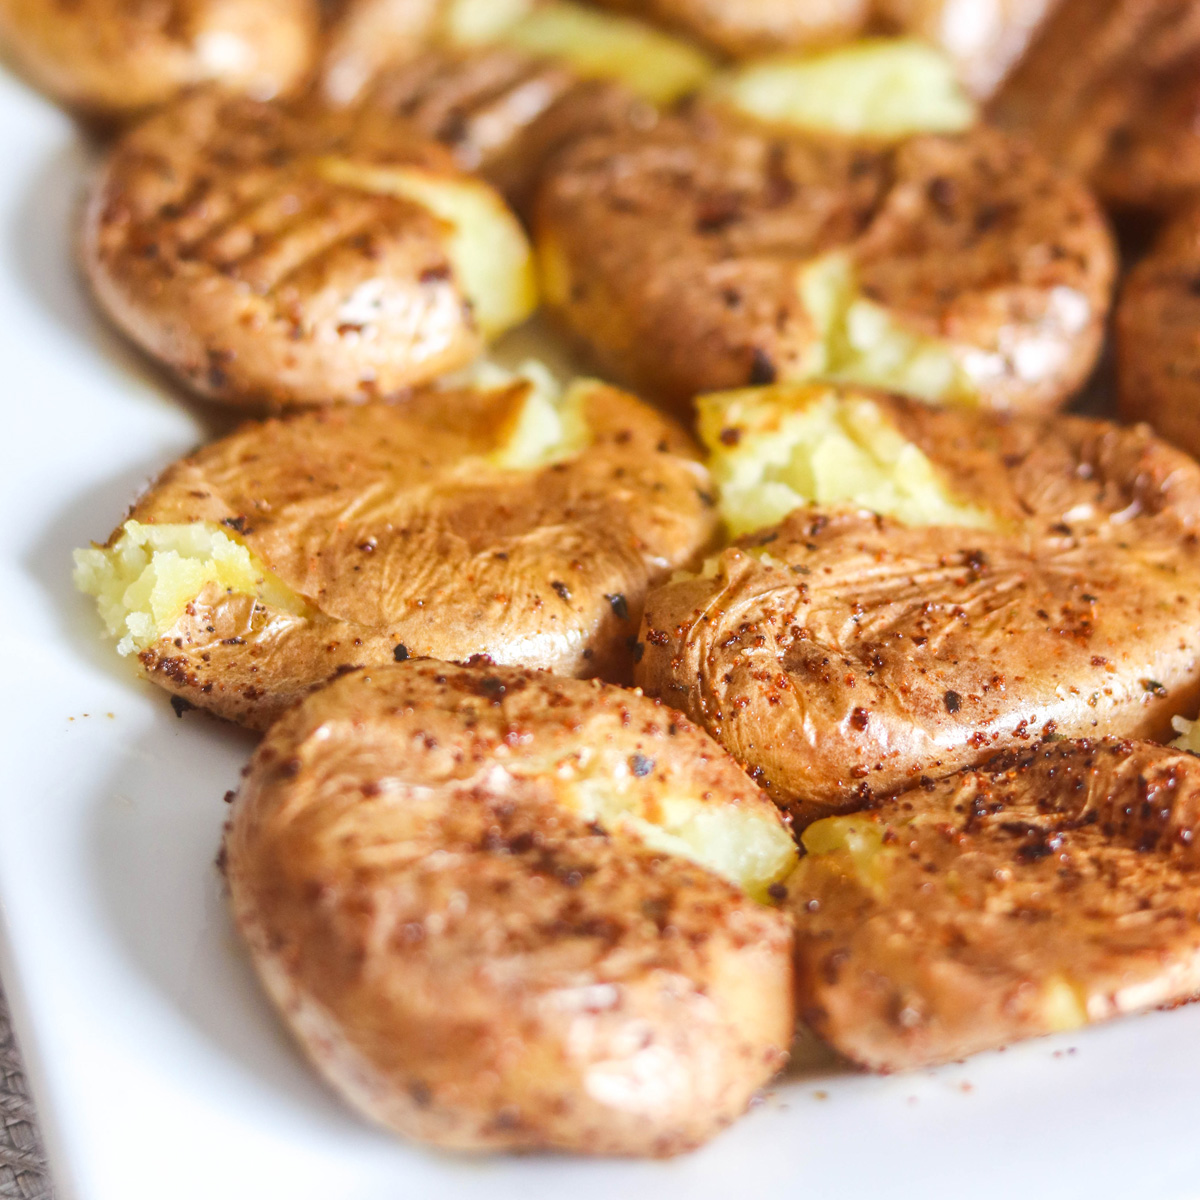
{"points": [[22, 1163]]}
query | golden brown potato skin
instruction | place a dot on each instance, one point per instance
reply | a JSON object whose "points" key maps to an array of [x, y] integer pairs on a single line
{"points": [[212, 240], [1108, 89], [403, 541], [111, 59], [872, 653], [676, 253], [985, 40], [1158, 336], [503, 113], [1072, 863], [744, 28], [467, 960]]}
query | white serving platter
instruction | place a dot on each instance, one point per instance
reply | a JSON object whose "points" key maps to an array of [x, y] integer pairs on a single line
{"points": [[159, 1070]]}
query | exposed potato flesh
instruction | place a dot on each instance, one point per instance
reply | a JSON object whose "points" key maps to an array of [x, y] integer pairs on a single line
{"points": [[881, 90], [145, 581], [112, 59], [509, 522], [708, 253], [840, 654], [1109, 90], [746, 28], [475, 958], [1158, 335], [1052, 888], [985, 41], [655, 66], [286, 255], [774, 450]]}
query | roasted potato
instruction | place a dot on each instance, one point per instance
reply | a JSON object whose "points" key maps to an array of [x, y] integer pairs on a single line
{"points": [[1109, 89], [275, 255], [504, 910], [111, 59], [1158, 336], [1054, 887], [744, 28], [376, 36], [878, 90], [509, 522], [504, 113], [712, 252], [984, 40], [923, 587]]}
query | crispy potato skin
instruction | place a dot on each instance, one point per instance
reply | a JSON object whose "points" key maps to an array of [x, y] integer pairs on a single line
{"points": [[872, 653], [1158, 336], [503, 113], [470, 963], [212, 240], [675, 254], [744, 28], [111, 59], [1108, 89], [1068, 864], [985, 40], [388, 523]]}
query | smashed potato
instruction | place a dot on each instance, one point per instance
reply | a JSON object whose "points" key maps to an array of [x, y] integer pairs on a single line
{"points": [[712, 252], [504, 113], [884, 89], [287, 256], [745, 28], [501, 910], [1158, 336], [111, 59], [1109, 90], [509, 522], [1019, 578], [1050, 889], [376, 36]]}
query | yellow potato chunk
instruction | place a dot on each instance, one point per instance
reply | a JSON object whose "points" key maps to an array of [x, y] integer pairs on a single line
{"points": [[486, 245], [735, 842], [148, 577], [848, 846], [596, 45], [860, 343], [880, 89], [775, 449]]}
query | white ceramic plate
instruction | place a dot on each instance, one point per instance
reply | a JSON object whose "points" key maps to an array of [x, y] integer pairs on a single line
{"points": [[160, 1072]]}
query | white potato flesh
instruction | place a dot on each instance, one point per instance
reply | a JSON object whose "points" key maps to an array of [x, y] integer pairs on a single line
{"points": [[144, 582], [750, 848], [775, 449], [488, 250], [859, 342], [881, 89]]}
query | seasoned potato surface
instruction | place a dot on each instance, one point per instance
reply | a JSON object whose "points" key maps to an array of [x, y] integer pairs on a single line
{"points": [[946, 584], [490, 905], [1051, 888], [712, 252]]}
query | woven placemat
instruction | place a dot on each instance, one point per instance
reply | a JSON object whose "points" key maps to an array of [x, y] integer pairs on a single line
{"points": [[23, 1171]]}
